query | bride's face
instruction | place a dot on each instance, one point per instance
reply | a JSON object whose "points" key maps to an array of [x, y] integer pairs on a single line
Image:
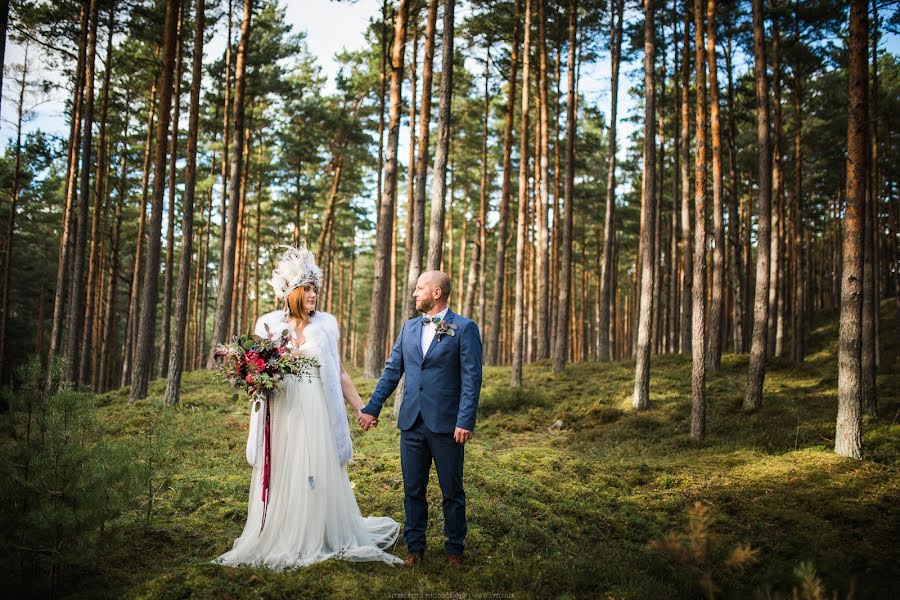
{"points": [[309, 297]]}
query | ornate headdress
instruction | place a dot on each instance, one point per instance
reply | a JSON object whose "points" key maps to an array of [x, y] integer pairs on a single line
{"points": [[296, 268]]}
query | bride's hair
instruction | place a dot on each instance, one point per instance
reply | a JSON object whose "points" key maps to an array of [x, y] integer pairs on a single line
{"points": [[294, 301]]}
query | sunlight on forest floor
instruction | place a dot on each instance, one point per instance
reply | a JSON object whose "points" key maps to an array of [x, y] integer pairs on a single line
{"points": [[557, 510]]}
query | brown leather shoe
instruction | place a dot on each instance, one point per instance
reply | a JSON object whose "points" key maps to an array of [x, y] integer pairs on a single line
{"points": [[412, 559], [455, 560]]}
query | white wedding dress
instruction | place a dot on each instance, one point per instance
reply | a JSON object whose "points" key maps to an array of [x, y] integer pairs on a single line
{"points": [[312, 513]]}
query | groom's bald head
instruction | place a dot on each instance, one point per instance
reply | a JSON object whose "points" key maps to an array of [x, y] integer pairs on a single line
{"points": [[432, 290]]}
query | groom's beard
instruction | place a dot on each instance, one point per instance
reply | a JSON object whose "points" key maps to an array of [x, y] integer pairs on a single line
{"points": [[425, 305]]}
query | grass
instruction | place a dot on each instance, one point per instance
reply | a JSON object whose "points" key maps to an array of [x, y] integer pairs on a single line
{"points": [[565, 511]]}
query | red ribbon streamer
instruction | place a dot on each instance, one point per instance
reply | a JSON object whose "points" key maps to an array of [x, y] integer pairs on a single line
{"points": [[267, 464]]}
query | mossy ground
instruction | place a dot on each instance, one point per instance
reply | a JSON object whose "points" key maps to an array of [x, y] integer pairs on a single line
{"points": [[556, 512]]}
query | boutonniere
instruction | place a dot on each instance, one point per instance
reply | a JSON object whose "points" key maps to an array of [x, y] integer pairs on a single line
{"points": [[441, 327]]}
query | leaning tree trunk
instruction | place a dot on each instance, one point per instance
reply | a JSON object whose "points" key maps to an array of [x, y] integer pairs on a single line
{"points": [[417, 248], [641, 398], [698, 323], [176, 358], [522, 220], [561, 346], [77, 285], [493, 341], [380, 292], [223, 315], [757, 371], [606, 291], [439, 181], [848, 432]]}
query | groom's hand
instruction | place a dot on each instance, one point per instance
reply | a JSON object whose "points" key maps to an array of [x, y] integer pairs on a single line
{"points": [[366, 421], [462, 435]]}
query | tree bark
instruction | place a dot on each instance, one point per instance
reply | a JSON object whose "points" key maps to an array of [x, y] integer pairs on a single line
{"points": [[439, 175], [757, 372], [848, 430], [143, 361], [687, 267], [176, 358], [131, 320], [417, 250], [380, 292], [561, 346], [78, 293], [106, 340], [164, 346], [493, 341], [609, 231], [13, 206], [716, 305], [224, 301], [734, 216], [641, 397], [698, 323], [519, 318], [774, 338]]}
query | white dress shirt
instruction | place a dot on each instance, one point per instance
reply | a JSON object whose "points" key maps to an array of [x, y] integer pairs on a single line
{"points": [[428, 331]]}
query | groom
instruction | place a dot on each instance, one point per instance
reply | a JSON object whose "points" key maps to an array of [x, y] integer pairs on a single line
{"points": [[440, 354]]}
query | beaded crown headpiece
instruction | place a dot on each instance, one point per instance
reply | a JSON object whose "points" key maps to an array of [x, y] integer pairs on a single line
{"points": [[296, 268]]}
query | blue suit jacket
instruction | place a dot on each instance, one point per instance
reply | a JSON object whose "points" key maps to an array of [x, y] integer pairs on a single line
{"points": [[444, 385]]}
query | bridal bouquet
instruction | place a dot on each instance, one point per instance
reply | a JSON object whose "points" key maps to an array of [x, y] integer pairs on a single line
{"points": [[257, 364]]}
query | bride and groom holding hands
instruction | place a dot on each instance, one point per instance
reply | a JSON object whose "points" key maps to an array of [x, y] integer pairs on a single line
{"points": [[310, 513]]}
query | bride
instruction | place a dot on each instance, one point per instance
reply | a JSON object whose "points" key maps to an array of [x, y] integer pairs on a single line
{"points": [[310, 512]]}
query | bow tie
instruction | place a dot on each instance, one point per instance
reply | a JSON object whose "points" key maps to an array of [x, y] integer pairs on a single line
{"points": [[426, 319]]}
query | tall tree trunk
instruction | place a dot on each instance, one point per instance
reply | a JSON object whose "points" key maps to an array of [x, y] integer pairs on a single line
{"points": [[78, 289], [493, 341], [143, 361], [641, 398], [848, 431], [67, 236], [131, 322], [609, 231], [87, 335], [716, 305], [410, 168], [224, 301], [106, 340], [439, 175], [385, 227], [522, 220], [871, 238], [687, 267], [699, 342], [479, 259], [798, 331], [561, 346], [757, 372], [226, 134], [176, 358], [417, 249], [774, 339], [381, 103], [734, 217], [542, 255], [13, 205], [164, 346]]}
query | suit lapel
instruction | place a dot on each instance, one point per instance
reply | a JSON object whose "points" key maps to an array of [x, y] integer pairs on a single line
{"points": [[448, 318], [416, 333]]}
